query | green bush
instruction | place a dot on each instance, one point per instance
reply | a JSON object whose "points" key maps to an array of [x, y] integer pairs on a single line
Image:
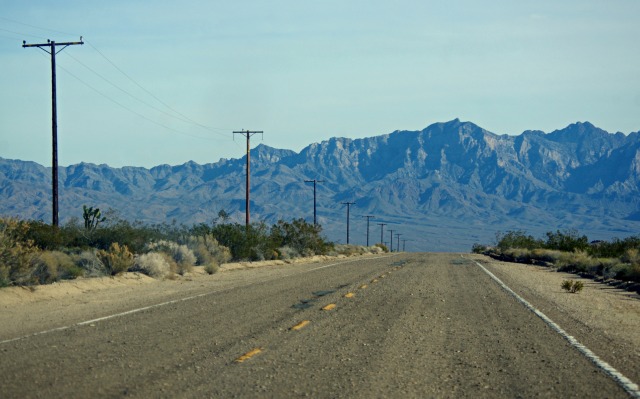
{"points": [[516, 239], [568, 240]]}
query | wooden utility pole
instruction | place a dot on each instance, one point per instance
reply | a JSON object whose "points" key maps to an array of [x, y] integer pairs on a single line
{"points": [[348, 204], [391, 240], [54, 117], [382, 232], [368, 218], [248, 134], [314, 181], [398, 246]]}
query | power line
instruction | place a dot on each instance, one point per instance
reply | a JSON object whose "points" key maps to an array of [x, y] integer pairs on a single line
{"points": [[184, 117], [129, 109], [173, 112]]}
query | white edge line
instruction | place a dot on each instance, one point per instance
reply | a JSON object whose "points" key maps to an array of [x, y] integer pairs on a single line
{"points": [[628, 385], [157, 305]]}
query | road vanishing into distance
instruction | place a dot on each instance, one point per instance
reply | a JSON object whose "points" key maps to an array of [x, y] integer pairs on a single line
{"points": [[405, 325]]}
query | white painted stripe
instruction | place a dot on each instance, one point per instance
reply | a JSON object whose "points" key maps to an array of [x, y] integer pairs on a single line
{"points": [[628, 385], [128, 312]]}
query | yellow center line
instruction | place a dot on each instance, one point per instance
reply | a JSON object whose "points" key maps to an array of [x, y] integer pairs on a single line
{"points": [[329, 306], [248, 355], [349, 295], [375, 280], [363, 286], [300, 325]]}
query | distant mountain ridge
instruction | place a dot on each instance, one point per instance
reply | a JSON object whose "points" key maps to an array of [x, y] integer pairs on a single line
{"points": [[444, 187]]}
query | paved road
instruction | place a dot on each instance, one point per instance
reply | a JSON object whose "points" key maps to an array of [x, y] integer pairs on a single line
{"points": [[417, 325]]}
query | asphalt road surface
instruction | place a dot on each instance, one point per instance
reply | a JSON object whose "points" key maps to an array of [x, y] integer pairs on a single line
{"points": [[409, 325]]}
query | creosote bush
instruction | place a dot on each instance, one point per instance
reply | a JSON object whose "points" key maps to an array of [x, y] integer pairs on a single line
{"points": [[573, 286], [117, 259]]}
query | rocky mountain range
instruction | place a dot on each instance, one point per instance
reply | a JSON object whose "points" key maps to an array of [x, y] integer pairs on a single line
{"points": [[443, 188]]}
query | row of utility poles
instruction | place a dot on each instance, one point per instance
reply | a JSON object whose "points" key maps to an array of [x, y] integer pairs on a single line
{"points": [[247, 134], [53, 48]]}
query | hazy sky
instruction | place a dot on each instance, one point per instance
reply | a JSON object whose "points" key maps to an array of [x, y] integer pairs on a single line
{"points": [[305, 71]]}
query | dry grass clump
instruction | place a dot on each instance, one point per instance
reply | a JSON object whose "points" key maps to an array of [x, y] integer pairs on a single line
{"points": [[208, 252], [155, 264], [89, 262], [287, 252], [184, 258], [352, 250], [50, 266]]}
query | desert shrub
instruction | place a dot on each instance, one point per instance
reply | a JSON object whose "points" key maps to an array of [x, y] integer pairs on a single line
{"points": [[90, 263], [516, 239], [184, 258], [155, 264], [631, 255], [573, 286], [211, 268], [117, 259], [287, 252], [578, 261], [478, 248], [299, 235], [208, 250], [349, 249], [50, 266], [16, 253], [567, 240], [383, 247]]}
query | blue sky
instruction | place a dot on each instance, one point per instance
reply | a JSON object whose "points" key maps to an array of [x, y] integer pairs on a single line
{"points": [[165, 82]]}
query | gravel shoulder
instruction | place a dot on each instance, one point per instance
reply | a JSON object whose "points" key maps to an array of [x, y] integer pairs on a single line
{"points": [[605, 319]]}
